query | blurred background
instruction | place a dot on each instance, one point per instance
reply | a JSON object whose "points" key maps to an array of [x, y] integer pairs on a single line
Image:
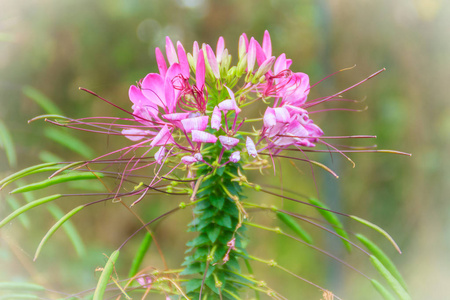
{"points": [[49, 48]]}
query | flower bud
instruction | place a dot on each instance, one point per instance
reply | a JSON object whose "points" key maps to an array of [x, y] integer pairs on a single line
{"points": [[235, 156]]}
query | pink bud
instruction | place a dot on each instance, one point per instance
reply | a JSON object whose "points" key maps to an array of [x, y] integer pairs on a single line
{"points": [[216, 118], [269, 118], [243, 45], [164, 137], [267, 44], [198, 156], [212, 61], [251, 58], [159, 155], [196, 123], [200, 71], [251, 149], [219, 49], [228, 142], [145, 282], [195, 50], [188, 160], [203, 137], [135, 134], [235, 156]]}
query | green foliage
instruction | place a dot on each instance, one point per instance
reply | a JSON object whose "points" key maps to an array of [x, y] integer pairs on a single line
{"points": [[392, 281], [294, 226], [140, 254], [105, 276]]}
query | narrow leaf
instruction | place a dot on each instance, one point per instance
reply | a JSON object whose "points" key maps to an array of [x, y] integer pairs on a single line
{"points": [[139, 257], [69, 141], [382, 290], [292, 224], [383, 258], [55, 227], [22, 173], [105, 276], [43, 101], [27, 207], [56, 180], [333, 220], [7, 142], [22, 286], [379, 229], [393, 282]]}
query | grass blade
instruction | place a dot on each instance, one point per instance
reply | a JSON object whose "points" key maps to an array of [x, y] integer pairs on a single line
{"points": [[27, 207], [69, 141], [104, 277], [43, 101], [393, 282], [333, 220], [292, 224], [383, 258], [56, 180], [382, 290], [7, 143], [139, 257], [55, 227], [379, 229]]}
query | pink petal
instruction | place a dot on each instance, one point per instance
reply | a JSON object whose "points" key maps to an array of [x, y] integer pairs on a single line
{"points": [[212, 61], [137, 97], [260, 55], [203, 137], [145, 281], [200, 71], [164, 137], [161, 62], [153, 89], [265, 67], [267, 44], [216, 118], [235, 156], [197, 123], [280, 64], [172, 87], [269, 118], [135, 135], [228, 142], [195, 51], [229, 104], [176, 118], [282, 114], [170, 52], [159, 155], [251, 149], [188, 160], [184, 64]]}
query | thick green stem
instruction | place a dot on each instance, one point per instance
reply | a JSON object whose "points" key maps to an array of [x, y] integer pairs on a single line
{"points": [[218, 219]]}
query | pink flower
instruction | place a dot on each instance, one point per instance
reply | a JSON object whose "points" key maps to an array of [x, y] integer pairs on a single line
{"points": [[136, 134], [235, 156], [196, 123], [251, 149], [164, 137], [145, 281], [159, 155], [188, 160]]}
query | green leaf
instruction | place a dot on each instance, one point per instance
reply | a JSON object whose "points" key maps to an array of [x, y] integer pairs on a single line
{"points": [[200, 240], [383, 258], [55, 227], [224, 220], [333, 220], [194, 268], [217, 201], [379, 229], [193, 284], [57, 179], [140, 254], [7, 143], [69, 141], [105, 276], [213, 234], [382, 290], [43, 101], [294, 226], [393, 282], [27, 207]]}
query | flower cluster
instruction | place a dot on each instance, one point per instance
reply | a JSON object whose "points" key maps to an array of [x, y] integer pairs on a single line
{"points": [[198, 99]]}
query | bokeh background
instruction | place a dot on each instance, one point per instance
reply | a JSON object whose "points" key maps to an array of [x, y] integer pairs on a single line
{"points": [[54, 47]]}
